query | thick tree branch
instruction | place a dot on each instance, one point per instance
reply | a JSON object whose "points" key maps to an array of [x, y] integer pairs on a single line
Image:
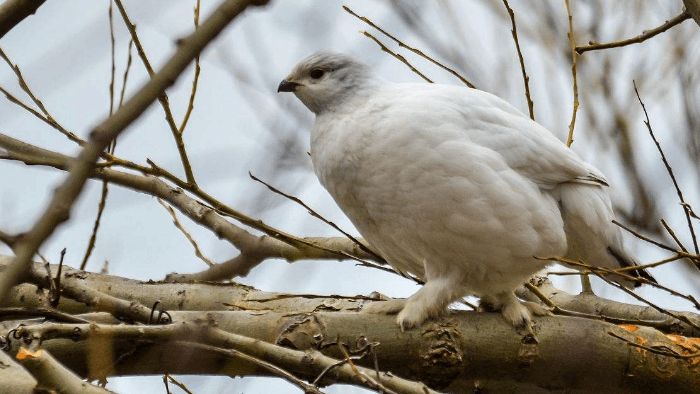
{"points": [[193, 296], [612, 311], [253, 249], [52, 375], [15, 379], [12, 12], [693, 8], [450, 353]]}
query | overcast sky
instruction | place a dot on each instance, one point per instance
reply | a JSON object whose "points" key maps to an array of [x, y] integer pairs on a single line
{"points": [[240, 124]]}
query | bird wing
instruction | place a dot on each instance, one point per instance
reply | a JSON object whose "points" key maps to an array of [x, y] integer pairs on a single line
{"points": [[480, 117]]}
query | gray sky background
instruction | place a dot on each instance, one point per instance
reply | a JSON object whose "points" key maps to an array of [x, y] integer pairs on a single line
{"points": [[240, 124]]}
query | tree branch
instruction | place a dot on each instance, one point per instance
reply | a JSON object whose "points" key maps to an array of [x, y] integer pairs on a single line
{"points": [[12, 12], [647, 34], [452, 353], [65, 195], [253, 249]]}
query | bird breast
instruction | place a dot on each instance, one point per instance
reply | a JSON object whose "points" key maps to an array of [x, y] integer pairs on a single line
{"points": [[430, 202]]}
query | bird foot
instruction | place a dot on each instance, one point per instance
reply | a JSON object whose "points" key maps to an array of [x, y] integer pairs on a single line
{"points": [[517, 313], [387, 307], [405, 319]]}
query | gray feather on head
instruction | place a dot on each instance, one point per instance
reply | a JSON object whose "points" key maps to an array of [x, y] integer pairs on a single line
{"points": [[326, 79]]}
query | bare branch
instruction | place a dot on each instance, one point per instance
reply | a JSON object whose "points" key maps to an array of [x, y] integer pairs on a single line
{"points": [[195, 80], [12, 12], [310, 348], [647, 34], [410, 48], [163, 97], [574, 61], [45, 116], [53, 375], [526, 79], [602, 273], [647, 123], [318, 216], [167, 377], [396, 55], [187, 235], [65, 195], [693, 7], [255, 249], [274, 369], [644, 238]]}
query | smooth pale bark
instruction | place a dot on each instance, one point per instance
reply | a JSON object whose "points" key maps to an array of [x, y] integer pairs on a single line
{"points": [[452, 353]]}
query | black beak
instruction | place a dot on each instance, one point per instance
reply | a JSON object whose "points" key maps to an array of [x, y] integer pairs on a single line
{"points": [[287, 86]]}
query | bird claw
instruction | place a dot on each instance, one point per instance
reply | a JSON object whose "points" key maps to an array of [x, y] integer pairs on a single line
{"points": [[388, 307], [407, 318]]}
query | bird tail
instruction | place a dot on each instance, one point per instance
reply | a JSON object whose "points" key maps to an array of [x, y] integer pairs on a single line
{"points": [[591, 235]]}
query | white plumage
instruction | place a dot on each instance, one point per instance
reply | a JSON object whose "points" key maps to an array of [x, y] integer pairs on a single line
{"points": [[452, 185]]}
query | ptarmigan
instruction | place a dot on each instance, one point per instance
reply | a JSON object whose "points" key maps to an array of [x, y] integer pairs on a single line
{"points": [[453, 185]]}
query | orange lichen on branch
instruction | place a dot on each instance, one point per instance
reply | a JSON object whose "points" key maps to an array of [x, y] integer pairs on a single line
{"points": [[629, 327], [689, 347], [26, 354]]}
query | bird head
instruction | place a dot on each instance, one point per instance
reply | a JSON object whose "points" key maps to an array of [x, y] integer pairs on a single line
{"points": [[326, 79]]}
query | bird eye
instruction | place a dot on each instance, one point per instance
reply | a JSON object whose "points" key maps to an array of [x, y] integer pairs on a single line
{"points": [[316, 73]]}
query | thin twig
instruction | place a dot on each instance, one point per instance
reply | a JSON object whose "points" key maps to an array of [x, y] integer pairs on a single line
{"points": [[671, 259], [688, 208], [323, 373], [366, 380], [601, 273], [46, 117], [96, 225], [673, 235], [23, 83], [555, 309], [189, 237], [661, 351], [410, 48], [526, 79], [110, 16], [539, 294], [669, 290], [162, 99], [646, 34], [167, 377], [8, 313], [197, 70], [105, 186], [396, 55], [644, 238], [126, 71], [274, 369], [33, 155], [668, 169], [56, 297], [574, 61], [318, 216], [644, 300]]}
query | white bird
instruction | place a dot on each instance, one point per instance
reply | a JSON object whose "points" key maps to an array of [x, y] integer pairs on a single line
{"points": [[452, 185]]}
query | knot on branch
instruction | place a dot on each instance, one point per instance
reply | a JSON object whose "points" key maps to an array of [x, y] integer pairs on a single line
{"points": [[441, 355], [302, 332]]}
